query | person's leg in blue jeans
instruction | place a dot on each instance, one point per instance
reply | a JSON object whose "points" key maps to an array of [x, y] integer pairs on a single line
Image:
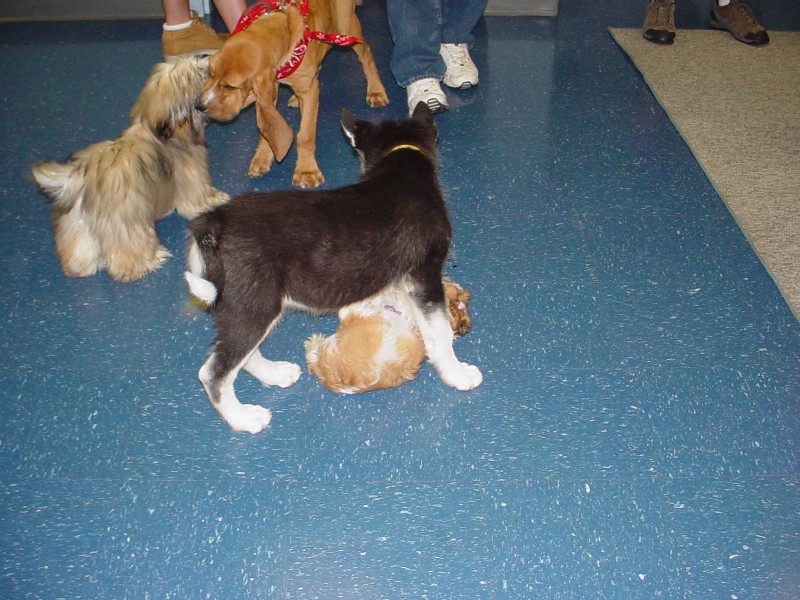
{"points": [[460, 18], [431, 41]]}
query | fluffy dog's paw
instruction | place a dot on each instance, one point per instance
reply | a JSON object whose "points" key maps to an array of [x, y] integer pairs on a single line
{"points": [[126, 266], [247, 418], [193, 207], [376, 99], [464, 377], [218, 198], [308, 179]]}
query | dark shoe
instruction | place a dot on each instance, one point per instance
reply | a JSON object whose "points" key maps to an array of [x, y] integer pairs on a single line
{"points": [[737, 19], [659, 22]]}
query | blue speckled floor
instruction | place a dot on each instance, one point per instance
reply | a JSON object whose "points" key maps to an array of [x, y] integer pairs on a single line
{"points": [[637, 434]]}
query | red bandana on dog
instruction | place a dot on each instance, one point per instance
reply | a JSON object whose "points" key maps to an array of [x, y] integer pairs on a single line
{"points": [[261, 8]]}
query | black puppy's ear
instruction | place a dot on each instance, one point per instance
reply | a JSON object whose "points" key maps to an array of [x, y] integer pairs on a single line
{"points": [[422, 114], [350, 125]]}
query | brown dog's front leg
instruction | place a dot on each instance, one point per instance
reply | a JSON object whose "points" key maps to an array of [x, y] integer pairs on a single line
{"points": [[376, 93], [306, 172], [350, 25], [262, 159]]}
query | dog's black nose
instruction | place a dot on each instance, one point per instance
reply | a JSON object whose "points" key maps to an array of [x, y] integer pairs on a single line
{"points": [[200, 106]]}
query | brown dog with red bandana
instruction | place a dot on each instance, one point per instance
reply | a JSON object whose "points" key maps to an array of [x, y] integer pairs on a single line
{"points": [[285, 42]]}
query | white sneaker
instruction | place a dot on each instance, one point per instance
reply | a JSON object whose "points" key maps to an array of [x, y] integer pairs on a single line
{"points": [[461, 71], [428, 91]]}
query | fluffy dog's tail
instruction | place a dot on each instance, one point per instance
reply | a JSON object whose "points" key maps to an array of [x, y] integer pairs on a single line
{"points": [[61, 183], [206, 274]]}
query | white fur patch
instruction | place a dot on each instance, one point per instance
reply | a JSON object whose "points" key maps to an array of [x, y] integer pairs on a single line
{"points": [[195, 260], [202, 289]]}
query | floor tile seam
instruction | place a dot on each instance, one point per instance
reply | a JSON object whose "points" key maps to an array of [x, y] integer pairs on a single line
{"points": [[292, 536], [699, 362], [562, 370], [32, 481], [518, 218], [248, 481], [595, 268], [341, 483], [565, 283], [485, 557], [626, 367], [634, 370], [92, 573], [593, 479], [661, 213], [765, 477], [671, 519], [691, 281], [486, 209], [561, 282], [636, 483], [591, 263], [689, 285], [486, 553], [630, 369], [481, 483]]}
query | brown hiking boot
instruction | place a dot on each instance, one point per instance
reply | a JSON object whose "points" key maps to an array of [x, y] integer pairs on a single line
{"points": [[659, 21], [196, 40], [737, 19]]}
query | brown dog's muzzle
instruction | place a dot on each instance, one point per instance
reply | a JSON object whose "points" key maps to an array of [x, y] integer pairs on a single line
{"points": [[220, 105]]}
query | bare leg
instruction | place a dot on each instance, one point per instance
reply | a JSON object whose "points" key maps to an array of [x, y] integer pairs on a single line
{"points": [[230, 11], [176, 12]]}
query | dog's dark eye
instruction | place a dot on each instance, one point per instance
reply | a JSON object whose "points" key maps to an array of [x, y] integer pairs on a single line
{"points": [[228, 86]]}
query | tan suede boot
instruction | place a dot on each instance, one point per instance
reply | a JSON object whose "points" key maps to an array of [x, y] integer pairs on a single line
{"points": [[196, 40]]}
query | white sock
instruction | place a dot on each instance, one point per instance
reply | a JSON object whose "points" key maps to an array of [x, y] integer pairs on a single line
{"points": [[723, 2], [177, 27]]}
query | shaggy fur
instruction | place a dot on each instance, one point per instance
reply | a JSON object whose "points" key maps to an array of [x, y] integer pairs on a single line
{"points": [[243, 71], [324, 250], [107, 197], [377, 344]]}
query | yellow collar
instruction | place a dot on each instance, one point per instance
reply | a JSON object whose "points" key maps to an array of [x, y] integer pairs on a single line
{"points": [[405, 147]]}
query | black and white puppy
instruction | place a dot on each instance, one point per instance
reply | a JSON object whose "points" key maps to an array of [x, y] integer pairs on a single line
{"points": [[321, 251]]}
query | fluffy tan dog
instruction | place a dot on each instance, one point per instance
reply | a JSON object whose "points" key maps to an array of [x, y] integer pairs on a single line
{"points": [[107, 197], [251, 62], [377, 344]]}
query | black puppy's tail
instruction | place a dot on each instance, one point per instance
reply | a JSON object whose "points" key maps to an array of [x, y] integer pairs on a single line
{"points": [[206, 274]]}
